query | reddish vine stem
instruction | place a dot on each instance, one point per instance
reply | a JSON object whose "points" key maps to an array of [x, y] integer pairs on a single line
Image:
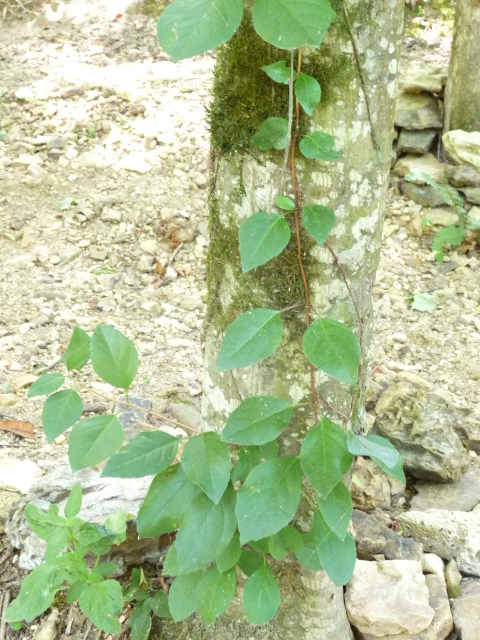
{"points": [[297, 196]]}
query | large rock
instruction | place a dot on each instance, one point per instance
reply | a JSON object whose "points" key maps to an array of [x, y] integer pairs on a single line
{"points": [[442, 623], [417, 111], [373, 538], [416, 141], [462, 176], [462, 495], [16, 478], [422, 194], [418, 77], [420, 421], [466, 616], [464, 147], [101, 497], [449, 534], [424, 164], [388, 598], [370, 487], [472, 194]]}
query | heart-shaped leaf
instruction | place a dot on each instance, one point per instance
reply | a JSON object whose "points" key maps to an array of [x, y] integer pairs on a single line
{"points": [[262, 237]]}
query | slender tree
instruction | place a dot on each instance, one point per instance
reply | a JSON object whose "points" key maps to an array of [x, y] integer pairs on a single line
{"points": [[462, 97]]}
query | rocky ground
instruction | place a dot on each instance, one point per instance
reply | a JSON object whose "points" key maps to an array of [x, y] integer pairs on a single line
{"points": [[103, 189]]}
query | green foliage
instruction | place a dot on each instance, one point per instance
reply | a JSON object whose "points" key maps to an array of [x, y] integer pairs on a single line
{"points": [[232, 497]]}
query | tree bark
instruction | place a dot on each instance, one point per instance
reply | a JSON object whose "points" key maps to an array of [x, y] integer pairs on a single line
{"points": [[462, 97], [356, 67]]}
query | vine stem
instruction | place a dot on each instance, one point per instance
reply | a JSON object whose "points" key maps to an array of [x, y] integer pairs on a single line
{"points": [[297, 196]]}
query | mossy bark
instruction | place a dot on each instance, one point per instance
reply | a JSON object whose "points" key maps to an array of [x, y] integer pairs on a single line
{"points": [[356, 67], [462, 96]]}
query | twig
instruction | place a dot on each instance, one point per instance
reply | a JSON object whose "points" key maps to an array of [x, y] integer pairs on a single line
{"points": [[290, 121], [3, 623]]}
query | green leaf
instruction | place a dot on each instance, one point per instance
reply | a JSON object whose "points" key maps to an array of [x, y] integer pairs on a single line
{"points": [[73, 594], [250, 561], [269, 498], [287, 204], [273, 134], [140, 621], [318, 221], [74, 502], [250, 338], [307, 92], [188, 28], [114, 357], [214, 593], [101, 603], [160, 605], [95, 537], [94, 439], [338, 557], [36, 593], [46, 384], [373, 446], [206, 462], [333, 347], [105, 569], [262, 237], [324, 456], [145, 454], [248, 459], [66, 203], [60, 411], [308, 555], [168, 497], [319, 145], [43, 524], [448, 237], [182, 597], [257, 421], [424, 302], [230, 555], [290, 24], [396, 471], [117, 522], [261, 596], [286, 540], [205, 531], [337, 509], [279, 72], [78, 351]]}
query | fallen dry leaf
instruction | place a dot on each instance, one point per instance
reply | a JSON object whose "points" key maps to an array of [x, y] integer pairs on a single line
{"points": [[19, 428]]}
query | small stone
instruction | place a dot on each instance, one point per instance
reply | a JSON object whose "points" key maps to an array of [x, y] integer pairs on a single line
{"points": [[186, 414], [149, 246], [60, 439], [472, 194], [462, 176], [453, 578], [200, 180], [466, 616], [431, 563], [424, 164], [136, 108], [18, 475], [68, 254], [136, 164], [98, 253], [47, 629], [420, 111], [440, 216], [424, 195], [146, 263], [70, 93], [30, 236], [55, 142], [25, 160], [415, 227], [416, 141], [91, 160]]}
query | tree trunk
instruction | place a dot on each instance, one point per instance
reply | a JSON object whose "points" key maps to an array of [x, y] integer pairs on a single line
{"points": [[462, 97], [356, 68]]}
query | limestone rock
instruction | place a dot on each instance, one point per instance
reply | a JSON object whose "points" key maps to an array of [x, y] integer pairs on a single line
{"points": [[388, 598], [464, 147], [420, 421], [18, 475], [462, 176], [462, 495], [440, 216], [370, 488], [422, 194], [416, 141], [449, 534], [418, 77], [373, 538], [466, 616], [472, 194], [424, 164], [101, 498], [420, 111]]}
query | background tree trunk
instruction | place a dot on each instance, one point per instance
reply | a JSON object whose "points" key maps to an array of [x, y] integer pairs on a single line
{"points": [[356, 68], [462, 98]]}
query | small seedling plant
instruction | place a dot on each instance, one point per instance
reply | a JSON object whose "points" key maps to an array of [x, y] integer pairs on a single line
{"points": [[453, 235], [232, 497]]}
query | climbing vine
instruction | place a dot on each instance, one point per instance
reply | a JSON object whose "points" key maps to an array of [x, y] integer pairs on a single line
{"points": [[231, 496]]}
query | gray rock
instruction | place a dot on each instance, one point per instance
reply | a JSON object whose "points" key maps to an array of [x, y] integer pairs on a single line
{"points": [[462, 176], [186, 414], [418, 77], [388, 598], [416, 141], [440, 216], [101, 497], [373, 538], [424, 164], [462, 495], [442, 623], [420, 421], [420, 111], [370, 487], [130, 416], [466, 616], [472, 194], [449, 534], [422, 194], [98, 253], [55, 142], [92, 160], [464, 147], [469, 585]]}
